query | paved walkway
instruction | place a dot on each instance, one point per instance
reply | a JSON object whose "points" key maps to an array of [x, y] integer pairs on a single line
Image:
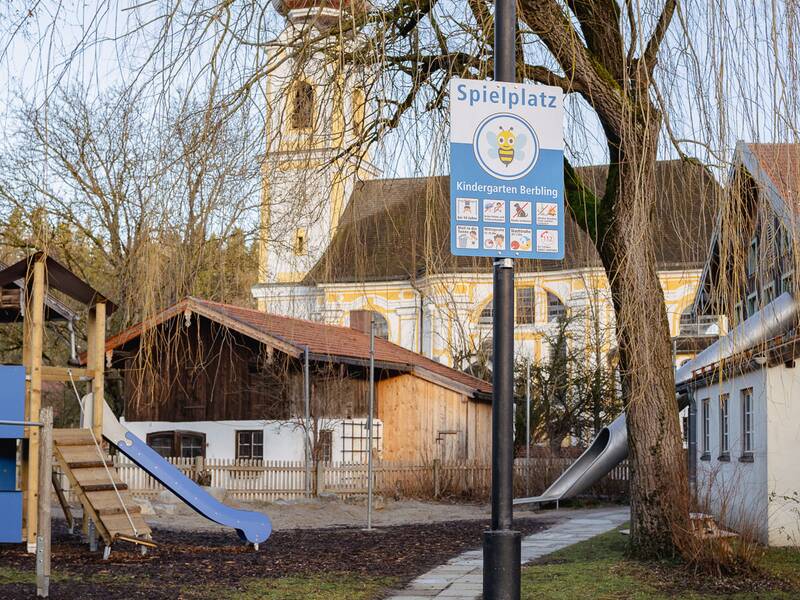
{"points": [[462, 577]]}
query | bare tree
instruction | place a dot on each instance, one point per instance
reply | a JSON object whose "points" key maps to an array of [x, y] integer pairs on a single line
{"points": [[605, 54], [156, 213], [571, 391]]}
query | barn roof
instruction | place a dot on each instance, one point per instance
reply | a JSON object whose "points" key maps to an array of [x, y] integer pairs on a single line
{"points": [[330, 343], [405, 226]]}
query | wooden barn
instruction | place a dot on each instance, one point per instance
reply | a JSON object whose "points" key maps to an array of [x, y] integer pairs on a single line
{"points": [[221, 381]]}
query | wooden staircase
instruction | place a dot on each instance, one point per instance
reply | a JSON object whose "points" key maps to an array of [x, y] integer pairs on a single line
{"points": [[103, 495]]}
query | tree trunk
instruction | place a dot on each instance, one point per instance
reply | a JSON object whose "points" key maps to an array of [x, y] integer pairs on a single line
{"points": [[658, 485]]}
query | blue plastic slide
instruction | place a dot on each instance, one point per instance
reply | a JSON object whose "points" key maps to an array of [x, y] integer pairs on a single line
{"points": [[254, 527]]}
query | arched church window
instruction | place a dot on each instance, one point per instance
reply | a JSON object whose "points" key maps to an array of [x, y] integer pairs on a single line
{"points": [[555, 308], [526, 305], [302, 105], [359, 108], [360, 320], [381, 325], [487, 314]]}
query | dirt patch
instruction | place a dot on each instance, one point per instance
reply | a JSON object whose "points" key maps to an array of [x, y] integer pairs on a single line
{"points": [[196, 564], [317, 514], [680, 580]]}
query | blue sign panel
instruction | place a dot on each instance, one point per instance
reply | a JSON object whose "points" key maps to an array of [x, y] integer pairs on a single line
{"points": [[506, 170], [12, 399]]}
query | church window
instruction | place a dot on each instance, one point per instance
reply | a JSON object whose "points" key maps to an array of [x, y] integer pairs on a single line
{"points": [[427, 333], [300, 242], [302, 105], [555, 308], [359, 108], [526, 305], [381, 325], [487, 314]]}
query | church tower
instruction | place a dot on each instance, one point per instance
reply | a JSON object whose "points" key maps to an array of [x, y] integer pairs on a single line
{"points": [[316, 109]]}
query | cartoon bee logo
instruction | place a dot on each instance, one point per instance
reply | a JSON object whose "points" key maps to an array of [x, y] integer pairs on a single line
{"points": [[507, 144]]}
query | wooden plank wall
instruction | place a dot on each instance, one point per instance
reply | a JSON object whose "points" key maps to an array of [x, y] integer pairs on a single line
{"points": [[206, 372], [423, 421]]}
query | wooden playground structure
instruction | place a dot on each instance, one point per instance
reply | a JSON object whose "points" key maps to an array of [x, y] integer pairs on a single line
{"points": [[107, 507]]}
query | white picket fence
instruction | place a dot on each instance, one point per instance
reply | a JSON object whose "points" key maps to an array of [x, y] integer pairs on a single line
{"points": [[273, 480]]}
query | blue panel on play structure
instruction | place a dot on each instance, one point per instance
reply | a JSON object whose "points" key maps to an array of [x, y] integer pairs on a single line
{"points": [[12, 399], [10, 517]]}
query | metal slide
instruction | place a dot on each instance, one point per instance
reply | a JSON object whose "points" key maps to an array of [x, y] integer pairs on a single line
{"points": [[254, 527], [610, 447]]}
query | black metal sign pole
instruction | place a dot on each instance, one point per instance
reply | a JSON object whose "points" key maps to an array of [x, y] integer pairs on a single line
{"points": [[501, 545]]}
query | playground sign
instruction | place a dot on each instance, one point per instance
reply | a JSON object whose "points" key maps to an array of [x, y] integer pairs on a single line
{"points": [[506, 170]]}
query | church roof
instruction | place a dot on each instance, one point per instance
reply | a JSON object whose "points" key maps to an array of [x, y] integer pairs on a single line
{"points": [[398, 229]]}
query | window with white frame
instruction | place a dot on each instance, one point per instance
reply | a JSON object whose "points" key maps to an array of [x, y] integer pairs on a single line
{"points": [[724, 426], [706, 427], [738, 312], [752, 304], [787, 282], [250, 444], [786, 239], [767, 294], [747, 421], [752, 256]]}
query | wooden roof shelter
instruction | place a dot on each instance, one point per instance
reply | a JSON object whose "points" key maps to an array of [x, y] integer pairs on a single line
{"points": [[39, 273]]}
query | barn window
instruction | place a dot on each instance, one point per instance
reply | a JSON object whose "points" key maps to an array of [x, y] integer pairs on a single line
{"points": [[355, 441], [192, 444], [526, 305], [250, 444], [174, 444], [163, 443], [325, 445], [302, 105]]}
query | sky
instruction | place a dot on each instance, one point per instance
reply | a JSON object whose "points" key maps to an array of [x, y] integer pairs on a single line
{"points": [[737, 55]]}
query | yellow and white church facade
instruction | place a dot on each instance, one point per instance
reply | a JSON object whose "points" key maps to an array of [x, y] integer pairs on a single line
{"points": [[336, 238]]}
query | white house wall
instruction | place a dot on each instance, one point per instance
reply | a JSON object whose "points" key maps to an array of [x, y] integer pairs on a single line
{"points": [[783, 475], [283, 440], [735, 491]]}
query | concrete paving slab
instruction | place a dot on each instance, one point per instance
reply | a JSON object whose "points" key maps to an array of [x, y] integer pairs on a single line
{"points": [[461, 578]]}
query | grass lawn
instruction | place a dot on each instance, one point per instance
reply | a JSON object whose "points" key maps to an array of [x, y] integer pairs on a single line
{"points": [[598, 569]]}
